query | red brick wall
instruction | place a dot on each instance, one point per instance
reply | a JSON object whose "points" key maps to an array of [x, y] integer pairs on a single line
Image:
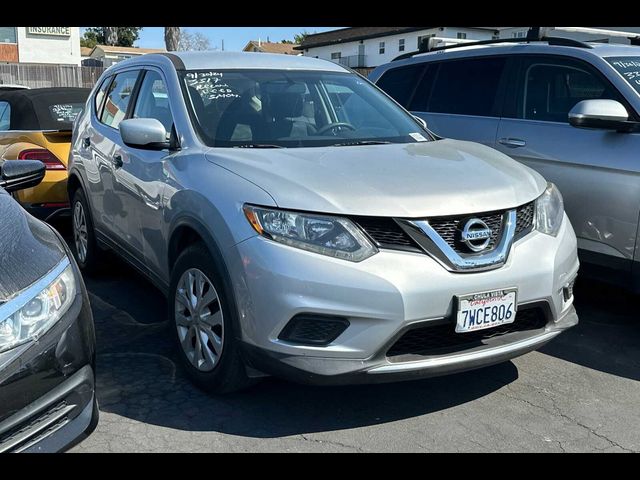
{"points": [[8, 52]]}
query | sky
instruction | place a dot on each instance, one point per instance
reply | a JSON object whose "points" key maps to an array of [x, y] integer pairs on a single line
{"points": [[235, 38]]}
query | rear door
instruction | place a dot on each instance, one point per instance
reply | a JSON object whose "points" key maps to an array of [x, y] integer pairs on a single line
{"points": [[459, 98], [597, 171], [112, 214]]}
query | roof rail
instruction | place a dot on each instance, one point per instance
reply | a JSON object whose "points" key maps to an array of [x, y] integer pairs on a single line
{"points": [[534, 34]]}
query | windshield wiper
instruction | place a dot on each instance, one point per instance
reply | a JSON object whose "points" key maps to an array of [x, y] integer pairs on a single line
{"points": [[258, 145], [361, 142]]}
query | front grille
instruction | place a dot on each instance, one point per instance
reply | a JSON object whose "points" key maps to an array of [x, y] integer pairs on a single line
{"points": [[38, 427], [447, 228], [442, 339], [524, 222], [308, 329], [386, 233]]}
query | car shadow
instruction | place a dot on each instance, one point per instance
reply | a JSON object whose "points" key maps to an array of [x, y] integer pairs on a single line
{"points": [[138, 377], [607, 338]]}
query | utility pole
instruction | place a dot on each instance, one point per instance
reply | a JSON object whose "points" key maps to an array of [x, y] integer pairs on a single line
{"points": [[223, 44]]}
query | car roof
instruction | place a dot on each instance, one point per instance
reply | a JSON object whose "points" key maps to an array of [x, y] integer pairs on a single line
{"points": [[30, 109], [601, 50], [237, 60]]}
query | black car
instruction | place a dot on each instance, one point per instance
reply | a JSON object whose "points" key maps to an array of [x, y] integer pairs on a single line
{"points": [[47, 336]]}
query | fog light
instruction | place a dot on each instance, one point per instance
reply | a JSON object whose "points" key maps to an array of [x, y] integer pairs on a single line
{"points": [[312, 329], [567, 290]]}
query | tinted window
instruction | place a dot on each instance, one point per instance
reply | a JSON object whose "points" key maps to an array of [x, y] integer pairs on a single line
{"points": [[153, 100], [115, 107], [467, 87], [399, 83], [551, 91], [100, 94], [5, 113]]}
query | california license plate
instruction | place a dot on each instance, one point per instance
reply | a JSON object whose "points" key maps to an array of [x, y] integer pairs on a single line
{"points": [[485, 310]]}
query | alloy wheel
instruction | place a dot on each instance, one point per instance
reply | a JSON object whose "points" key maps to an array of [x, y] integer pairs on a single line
{"points": [[80, 236]]}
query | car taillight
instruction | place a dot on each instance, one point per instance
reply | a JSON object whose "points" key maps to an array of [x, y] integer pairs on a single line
{"points": [[45, 156]]}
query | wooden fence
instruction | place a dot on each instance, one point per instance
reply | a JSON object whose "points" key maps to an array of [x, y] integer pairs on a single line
{"points": [[39, 75]]}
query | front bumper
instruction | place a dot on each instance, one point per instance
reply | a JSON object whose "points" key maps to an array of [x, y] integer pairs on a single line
{"points": [[383, 296], [47, 386]]}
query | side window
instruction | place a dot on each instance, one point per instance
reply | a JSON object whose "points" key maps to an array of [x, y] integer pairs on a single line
{"points": [[115, 107], [5, 115], [399, 83], [467, 87], [97, 101], [551, 90], [153, 100]]}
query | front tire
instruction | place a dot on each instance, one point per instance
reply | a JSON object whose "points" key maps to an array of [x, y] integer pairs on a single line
{"points": [[204, 323]]}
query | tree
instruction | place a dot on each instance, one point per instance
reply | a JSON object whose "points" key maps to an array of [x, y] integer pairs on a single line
{"points": [[193, 41], [288, 42], [300, 37], [172, 38], [110, 35], [124, 36]]}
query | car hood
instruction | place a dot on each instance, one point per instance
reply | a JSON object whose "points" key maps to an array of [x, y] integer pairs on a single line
{"points": [[444, 177], [28, 248]]}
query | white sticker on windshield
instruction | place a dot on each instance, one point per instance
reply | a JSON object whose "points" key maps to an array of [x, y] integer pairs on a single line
{"points": [[417, 137]]}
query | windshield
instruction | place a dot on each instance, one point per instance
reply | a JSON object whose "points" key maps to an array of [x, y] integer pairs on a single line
{"points": [[270, 109], [629, 68]]}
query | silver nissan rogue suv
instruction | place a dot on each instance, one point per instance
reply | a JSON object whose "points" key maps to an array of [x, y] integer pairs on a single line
{"points": [[303, 224]]}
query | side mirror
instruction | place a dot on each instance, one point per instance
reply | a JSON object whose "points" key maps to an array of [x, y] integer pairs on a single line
{"points": [[19, 174], [601, 114], [145, 133], [421, 121]]}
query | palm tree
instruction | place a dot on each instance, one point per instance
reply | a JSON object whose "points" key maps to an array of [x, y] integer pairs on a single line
{"points": [[111, 35], [172, 38]]}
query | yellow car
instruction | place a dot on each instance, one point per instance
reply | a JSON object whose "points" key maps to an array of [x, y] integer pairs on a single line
{"points": [[36, 124]]}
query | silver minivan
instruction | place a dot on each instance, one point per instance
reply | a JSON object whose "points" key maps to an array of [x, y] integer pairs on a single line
{"points": [[569, 110], [302, 224]]}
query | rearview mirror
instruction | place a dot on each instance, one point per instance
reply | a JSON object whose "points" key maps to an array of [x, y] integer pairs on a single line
{"points": [[20, 174], [146, 133], [601, 114]]}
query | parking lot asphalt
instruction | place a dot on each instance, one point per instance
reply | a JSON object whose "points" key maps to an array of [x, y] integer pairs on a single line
{"points": [[579, 393]]}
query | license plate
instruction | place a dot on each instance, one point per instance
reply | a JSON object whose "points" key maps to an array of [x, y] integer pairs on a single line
{"points": [[485, 310]]}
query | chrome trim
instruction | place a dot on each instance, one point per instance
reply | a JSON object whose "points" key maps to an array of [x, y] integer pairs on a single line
{"points": [[464, 357], [441, 251], [25, 296]]}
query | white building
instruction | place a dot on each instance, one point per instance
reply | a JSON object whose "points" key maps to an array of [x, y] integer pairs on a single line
{"points": [[521, 32], [107, 55], [58, 45], [368, 47]]}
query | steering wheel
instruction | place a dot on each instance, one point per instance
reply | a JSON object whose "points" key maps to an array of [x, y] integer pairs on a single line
{"points": [[333, 125]]}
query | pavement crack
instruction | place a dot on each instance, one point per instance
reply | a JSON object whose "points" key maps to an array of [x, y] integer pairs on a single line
{"points": [[557, 412]]}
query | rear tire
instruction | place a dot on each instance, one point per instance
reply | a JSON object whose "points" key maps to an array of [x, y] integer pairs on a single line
{"points": [[204, 322], [85, 248]]}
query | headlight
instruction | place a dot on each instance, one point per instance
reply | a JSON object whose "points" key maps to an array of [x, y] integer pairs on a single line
{"points": [[39, 307], [549, 211], [332, 236]]}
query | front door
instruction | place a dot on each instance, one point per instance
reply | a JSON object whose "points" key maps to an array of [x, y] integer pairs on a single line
{"points": [[597, 171]]}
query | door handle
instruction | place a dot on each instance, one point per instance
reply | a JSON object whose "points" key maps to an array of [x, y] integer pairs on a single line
{"points": [[86, 142], [512, 142], [117, 161]]}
